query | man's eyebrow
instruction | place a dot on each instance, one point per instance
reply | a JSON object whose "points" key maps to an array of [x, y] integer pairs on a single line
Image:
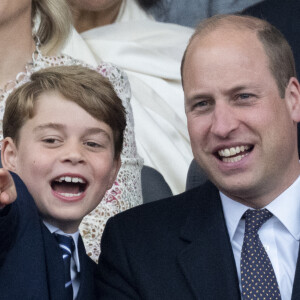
{"points": [[239, 88], [198, 96], [236, 89]]}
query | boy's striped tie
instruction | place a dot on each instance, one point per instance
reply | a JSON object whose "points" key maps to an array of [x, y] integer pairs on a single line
{"points": [[66, 244]]}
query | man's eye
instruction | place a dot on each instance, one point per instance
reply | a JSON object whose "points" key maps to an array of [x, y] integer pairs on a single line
{"points": [[244, 96], [201, 103]]}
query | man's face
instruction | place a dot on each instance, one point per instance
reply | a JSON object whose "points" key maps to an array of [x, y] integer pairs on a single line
{"points": [[66, 159], [242, 133]]}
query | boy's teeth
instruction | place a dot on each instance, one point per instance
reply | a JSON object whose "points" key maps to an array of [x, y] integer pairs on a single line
{"points": [[70, 195], [232, 151], [70, 179]]}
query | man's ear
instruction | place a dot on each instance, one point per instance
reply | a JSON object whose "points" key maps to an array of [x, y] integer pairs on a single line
{"points": [[292, 97], [114, 171], [9, 154]]}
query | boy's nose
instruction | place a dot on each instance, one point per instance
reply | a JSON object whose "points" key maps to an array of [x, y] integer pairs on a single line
{"points": [[73, 153]]}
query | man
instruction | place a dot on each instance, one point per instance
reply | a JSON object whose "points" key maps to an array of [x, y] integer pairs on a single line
{"points": [[236, 236]]}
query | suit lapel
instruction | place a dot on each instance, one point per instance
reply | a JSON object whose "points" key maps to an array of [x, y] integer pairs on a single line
{"points": [[55, 266], [207, 261], [87, 268]]}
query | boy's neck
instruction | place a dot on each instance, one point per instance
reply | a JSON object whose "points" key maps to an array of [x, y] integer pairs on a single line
{"points": [[67, 228]]}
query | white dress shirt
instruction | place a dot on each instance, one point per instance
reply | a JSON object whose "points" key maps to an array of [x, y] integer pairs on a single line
{"points": [[280, 234], [75, 264]]}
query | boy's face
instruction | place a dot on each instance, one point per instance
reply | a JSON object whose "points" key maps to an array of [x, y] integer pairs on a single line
{"points": [[66, 159]]}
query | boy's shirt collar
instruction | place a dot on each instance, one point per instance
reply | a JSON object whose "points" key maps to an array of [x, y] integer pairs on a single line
{"points": [[74, 236]]}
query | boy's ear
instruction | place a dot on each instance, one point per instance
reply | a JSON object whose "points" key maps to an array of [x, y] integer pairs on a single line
{"points": [[9, 154], [114, 172]]}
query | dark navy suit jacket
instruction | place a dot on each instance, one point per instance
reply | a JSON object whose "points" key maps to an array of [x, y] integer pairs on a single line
{"points": [[31, 265], [176, 248]]}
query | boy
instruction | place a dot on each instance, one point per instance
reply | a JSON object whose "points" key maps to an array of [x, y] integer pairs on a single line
{"points": [[63, 136]]}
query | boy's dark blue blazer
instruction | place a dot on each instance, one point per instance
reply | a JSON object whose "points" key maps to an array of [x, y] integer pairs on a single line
{"points": [[31, 265]]}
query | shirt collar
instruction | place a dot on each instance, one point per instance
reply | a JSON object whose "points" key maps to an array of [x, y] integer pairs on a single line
{"points": [[288, 213], [74, 236], [233, 212]]}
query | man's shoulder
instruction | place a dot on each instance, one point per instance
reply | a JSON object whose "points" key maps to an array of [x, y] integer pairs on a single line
{"points": [[172, 210]]}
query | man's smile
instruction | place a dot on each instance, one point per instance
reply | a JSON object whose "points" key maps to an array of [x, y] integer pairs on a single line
{"points": [[233, 154]]}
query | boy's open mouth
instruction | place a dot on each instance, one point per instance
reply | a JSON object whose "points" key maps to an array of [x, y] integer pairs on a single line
{"points": [[233, 154], [69, 186]]}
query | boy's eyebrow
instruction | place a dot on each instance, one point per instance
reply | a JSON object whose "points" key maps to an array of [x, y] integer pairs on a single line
{"points": [[57, 126], [97, 130], [48, 125]]}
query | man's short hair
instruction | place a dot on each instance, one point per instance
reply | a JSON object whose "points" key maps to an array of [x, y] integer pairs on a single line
{"points": [[277, 49], [81, 85]]}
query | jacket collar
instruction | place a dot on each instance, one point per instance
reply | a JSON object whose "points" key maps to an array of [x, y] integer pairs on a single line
{"points": [[207, 260]]}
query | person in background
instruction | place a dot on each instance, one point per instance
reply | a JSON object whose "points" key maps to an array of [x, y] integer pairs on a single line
{"points": [[236, 236], [33, 32], [120, 31], [191, 12]]}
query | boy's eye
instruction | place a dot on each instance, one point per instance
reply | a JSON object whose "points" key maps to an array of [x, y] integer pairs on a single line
{"points": [[92, 144], [50, 140]]}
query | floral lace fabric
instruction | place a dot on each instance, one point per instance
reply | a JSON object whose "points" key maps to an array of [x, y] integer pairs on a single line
{"points": [[126, 191]]}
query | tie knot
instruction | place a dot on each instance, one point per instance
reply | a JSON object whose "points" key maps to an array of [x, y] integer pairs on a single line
{"points": [[255, 218], [66, 243]]}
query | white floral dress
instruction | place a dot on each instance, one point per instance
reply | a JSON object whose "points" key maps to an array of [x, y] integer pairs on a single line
{"points": [[126, 191]]}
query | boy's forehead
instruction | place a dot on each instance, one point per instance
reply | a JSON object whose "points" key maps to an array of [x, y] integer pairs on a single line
{"points": [[53, 110]]}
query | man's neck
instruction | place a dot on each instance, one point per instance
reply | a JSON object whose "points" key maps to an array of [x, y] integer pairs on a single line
{"points": [[258, 201]]}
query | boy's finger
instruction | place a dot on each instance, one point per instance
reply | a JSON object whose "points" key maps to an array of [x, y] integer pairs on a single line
{"points": [[5, 179], [7, 197]]}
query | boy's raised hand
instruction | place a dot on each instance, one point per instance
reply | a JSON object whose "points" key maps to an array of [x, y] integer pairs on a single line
{"points": [[8, 193]]}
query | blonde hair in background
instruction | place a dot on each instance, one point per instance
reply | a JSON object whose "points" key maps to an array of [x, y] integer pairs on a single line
{"points": [[54, 23]]}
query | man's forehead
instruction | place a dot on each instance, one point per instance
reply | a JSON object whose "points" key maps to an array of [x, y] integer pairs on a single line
{"points": [[244, 42], [222, 36]]}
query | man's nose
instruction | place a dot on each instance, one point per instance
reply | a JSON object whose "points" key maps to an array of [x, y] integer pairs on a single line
{"points": [[224, 120]]}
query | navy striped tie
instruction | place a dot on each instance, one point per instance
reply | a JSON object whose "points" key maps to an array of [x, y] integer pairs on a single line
{"points": [[66, 244]]}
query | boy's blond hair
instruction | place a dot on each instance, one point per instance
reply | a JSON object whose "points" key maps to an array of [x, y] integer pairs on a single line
{"points": [[86, 87]]}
